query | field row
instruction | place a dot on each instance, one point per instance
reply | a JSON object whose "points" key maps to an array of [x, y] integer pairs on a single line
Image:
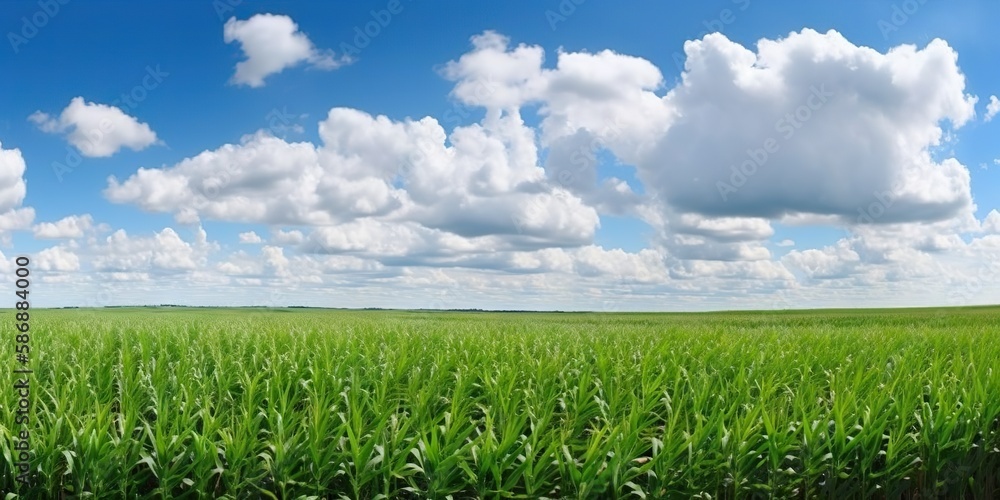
{"points": [[209, 404]]}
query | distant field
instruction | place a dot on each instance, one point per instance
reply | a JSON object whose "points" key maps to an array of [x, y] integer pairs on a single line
{"points": [[254, 403]]}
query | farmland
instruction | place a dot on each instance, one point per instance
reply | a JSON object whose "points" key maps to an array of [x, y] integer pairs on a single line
{"points": [[293, 403]]}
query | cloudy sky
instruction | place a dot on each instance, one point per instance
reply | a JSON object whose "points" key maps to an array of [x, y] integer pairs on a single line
{"points": [[573, 154]]}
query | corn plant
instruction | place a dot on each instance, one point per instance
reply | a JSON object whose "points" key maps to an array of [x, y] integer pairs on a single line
{"points": [[253, 403]]}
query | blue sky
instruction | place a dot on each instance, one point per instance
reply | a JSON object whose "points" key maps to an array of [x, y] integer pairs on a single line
{"points": [[237, 96]]}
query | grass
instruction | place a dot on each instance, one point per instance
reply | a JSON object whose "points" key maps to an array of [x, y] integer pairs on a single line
{"points": [[223, 403]]}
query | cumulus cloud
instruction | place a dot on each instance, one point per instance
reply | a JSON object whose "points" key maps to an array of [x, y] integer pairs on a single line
{"points": [[12, 192], [837, 261], [250, 238], [58, 259], [834, 131], [812, 124], [73, 226], [272, 263], [272, 43], [853, 137], [375, 168], [992, 108], [809, 126], [588, 277], [164, 251], [992, 222], [12, 186], [96, 130], [293, 237], [739, 275], [169, 260], [607, 96], [16, 219]]}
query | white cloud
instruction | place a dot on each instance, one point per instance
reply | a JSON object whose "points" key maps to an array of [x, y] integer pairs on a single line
{"points": [[492, 76], [498, 213], [12, 192], [608, 96], [73, 226], [992, 108], [646, 266], [12, 186], [991, 224], [837, 261], [293, 237], [250, 238], [796, 101], [271, 44], [730, 229], [739, 275], [16, 219], [96, 130], [809, 120], [374, 168], [57, 259], [879, 271], [164, 251], [275, 260], [413, 170]]}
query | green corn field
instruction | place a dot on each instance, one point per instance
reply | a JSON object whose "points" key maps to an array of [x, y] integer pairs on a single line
{"points": [[254, 403]]}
